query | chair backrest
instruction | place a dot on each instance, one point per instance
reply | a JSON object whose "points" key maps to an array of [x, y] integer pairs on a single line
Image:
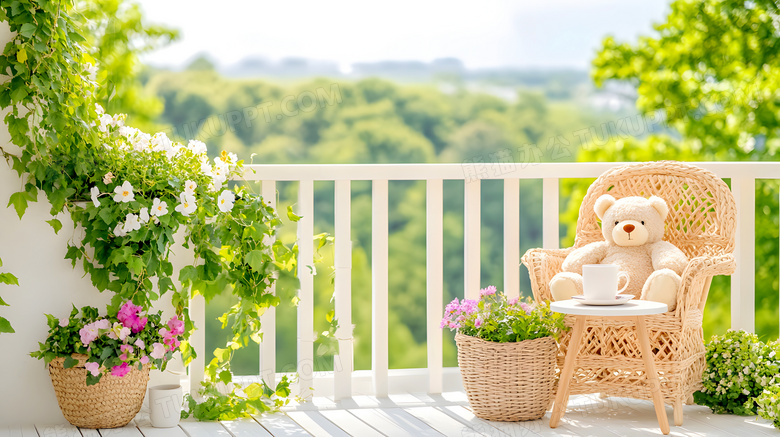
{"points": [[702, 212]]}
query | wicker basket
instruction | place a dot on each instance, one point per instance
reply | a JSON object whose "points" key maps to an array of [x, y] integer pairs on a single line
{"points": [[111, 403], [508, 382]]}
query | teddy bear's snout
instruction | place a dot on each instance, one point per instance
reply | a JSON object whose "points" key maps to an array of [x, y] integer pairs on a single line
{"points": [[629, 228]]}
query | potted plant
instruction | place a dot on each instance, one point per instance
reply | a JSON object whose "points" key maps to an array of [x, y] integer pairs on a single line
{"points": [[506, 354], [99, 366]]}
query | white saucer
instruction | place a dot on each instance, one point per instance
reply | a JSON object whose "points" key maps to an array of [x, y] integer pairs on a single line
{"points": [[619, 300]]}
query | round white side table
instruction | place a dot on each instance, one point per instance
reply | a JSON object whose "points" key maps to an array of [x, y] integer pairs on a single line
{"points": [[635, 310]]}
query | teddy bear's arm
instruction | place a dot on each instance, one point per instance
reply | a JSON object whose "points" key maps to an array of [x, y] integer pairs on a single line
{"points": [[666, 255], [591, 253]]}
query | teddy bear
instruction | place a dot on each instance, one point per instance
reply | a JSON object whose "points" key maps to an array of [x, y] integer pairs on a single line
{"points": [[633, 229]]}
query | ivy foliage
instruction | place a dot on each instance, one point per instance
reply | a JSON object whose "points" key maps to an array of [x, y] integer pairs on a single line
{"points": [[9, 279]]}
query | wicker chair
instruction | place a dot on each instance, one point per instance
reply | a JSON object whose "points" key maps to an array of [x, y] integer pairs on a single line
{"points": [[701, 223]]}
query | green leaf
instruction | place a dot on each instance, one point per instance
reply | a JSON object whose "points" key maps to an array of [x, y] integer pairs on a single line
{"points": [[21, 55], [69, 362], [19, 201], [56, 224], [291, 215], [255, 259], [27, 30], [92, 380], [225, 376], [5, 326], [7, 278]]}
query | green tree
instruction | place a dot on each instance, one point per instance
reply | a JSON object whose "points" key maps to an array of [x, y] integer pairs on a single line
{"points": [[116, 35], [711, 75]]}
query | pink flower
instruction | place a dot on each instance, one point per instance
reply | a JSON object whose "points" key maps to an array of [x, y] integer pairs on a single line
{"points": [[123, 357], [126, 348], [477, 323], [144, 359], [443, 323], [128, 315], [93, 368], [527, 308], [468, 306], [452, 306], [172, 343], [158, 351], [102, 324], [88, 334], [64, 322], [487, 291], [139, 343], [120, 370], [514, 300], [176, 326]]}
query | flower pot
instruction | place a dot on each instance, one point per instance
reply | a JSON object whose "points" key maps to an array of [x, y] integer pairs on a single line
{"points": [[508, 382], [165, 405], [111, 403]]}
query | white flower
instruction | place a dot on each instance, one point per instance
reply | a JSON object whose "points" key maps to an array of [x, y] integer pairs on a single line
{"points": [[119, 231], [160, 142], [187, 205], [118, 120], [108, 178], [141, 141], [99, 109], [118, 331], [225, 201], [131, 223], [159, 208], [94, 192], [143, 215], [189, 187], [197, 147], [219, 174], [226, 158], [91, 70], [105, 121], [124, 193]]}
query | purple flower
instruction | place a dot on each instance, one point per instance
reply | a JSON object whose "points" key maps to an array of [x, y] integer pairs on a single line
{"points": [[527, 308], [488, 291], [452, 306], [468, 306]]}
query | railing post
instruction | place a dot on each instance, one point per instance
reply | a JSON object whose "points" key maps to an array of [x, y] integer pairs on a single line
{"points": [[197, 340], [743, 299], [268, 319], [343, 362], [434, 260], [306, 292], [379, 305], [471, 238], [550, 214], [512, 237]]}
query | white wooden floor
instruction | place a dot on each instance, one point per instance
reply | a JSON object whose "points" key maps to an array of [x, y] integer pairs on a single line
{"points": [[424, 415]]}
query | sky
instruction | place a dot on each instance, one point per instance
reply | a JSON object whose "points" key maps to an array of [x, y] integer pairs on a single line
{"points": [[482, 34]]}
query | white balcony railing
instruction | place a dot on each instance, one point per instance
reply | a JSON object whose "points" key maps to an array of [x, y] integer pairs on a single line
{"points": [[343, 382]]}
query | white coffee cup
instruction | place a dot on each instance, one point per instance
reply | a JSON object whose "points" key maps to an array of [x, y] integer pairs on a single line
{"points": [[165, 405], [600, 281]]}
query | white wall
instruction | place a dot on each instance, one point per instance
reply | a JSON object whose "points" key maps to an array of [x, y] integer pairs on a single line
{"points": [[47, 284]]}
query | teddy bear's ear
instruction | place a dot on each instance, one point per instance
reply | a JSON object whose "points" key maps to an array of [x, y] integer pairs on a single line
{"points": [[602, 204], [660, 206]]}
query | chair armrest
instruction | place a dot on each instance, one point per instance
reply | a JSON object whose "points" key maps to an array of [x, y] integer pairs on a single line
{"points": [[542, 265], [696, 277]]}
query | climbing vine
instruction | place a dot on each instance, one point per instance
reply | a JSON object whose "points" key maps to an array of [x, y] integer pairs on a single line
{"points": [[130, 192]]}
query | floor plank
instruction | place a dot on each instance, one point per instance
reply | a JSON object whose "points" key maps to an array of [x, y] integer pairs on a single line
{"points": [[279, 424], [18, 431], [486, 426], [245, 428], [316, 424], [443, 423], [350, 424], [145, 426], [57, 430], [394, 422], [204, 429], [128, 430]]}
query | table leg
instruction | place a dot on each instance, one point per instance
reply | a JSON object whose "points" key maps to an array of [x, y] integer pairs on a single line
{"points": [[568, 371], [651, 375]]}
